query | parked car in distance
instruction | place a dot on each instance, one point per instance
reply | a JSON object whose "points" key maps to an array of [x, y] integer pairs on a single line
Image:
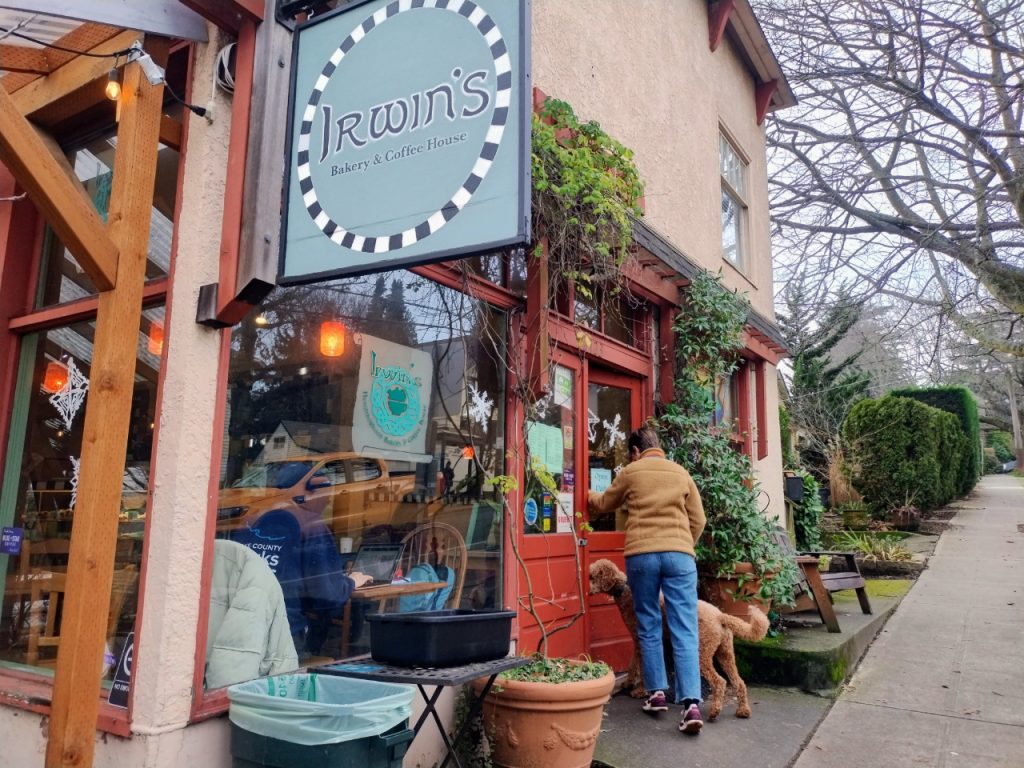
{"points": [[348, 491]]}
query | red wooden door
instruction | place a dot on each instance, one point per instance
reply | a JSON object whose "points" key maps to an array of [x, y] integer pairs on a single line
{"points": [[548, 543], [613, 410]]}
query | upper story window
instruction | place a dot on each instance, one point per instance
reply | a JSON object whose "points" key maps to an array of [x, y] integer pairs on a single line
{"points": [[733, 170]]}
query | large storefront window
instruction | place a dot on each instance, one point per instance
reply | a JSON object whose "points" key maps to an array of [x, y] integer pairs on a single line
{"points": [[38, 498], [365, 417]]}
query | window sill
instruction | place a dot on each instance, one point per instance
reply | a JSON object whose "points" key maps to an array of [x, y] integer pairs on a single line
{"points": [[34, 693]]}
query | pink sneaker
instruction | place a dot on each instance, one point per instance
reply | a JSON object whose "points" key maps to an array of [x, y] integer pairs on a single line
{"points": [[656, 702], [691, 722]]}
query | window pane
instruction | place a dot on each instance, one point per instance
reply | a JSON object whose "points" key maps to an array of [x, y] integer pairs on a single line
{"points": [[609, 416], [552, 457], [61, 278], [38, 504], [376, 459], [732, 238], [733, 168]]}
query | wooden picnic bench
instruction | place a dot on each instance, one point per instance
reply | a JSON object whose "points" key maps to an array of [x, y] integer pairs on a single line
{"points": [[814, 589]]}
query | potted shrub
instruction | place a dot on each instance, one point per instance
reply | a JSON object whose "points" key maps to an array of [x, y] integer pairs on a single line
{"points": [[737, 545]]}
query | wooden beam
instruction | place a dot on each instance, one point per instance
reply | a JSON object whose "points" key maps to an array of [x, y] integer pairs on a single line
{"points": [[170, 132], [229, 15], [84, 38], [69, 77], [61, 203], [763, 98], [21, 58], [718, 18], [72, 732], [166, 18]]}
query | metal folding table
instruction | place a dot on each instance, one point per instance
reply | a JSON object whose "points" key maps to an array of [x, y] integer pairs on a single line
{"points": [[365, 668]]}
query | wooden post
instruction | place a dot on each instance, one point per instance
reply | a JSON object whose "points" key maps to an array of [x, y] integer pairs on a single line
{"points": [[108, 407]]}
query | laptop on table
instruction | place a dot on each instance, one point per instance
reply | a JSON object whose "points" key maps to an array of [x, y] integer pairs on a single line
{"points": [[378, 561]]}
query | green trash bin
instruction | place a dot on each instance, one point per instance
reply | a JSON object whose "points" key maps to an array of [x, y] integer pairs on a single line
{"points": [[306, 720]]}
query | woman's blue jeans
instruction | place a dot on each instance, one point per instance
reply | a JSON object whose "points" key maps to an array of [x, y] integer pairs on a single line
{"points": [[673, 574]]}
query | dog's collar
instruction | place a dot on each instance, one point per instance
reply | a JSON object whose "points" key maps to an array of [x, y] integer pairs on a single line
{"points": [[618, 589]]}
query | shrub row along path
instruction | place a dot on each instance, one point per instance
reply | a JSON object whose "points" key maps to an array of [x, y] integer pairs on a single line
{"points": [[943, 684]]}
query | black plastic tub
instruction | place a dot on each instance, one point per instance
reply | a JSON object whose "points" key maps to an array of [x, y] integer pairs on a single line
{"points": [[440, 638]]}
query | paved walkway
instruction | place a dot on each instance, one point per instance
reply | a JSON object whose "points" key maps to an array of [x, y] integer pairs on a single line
{"points": [[943, 684]]}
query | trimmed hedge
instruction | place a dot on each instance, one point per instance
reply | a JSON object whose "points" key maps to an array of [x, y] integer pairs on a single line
{"points": [[961, 403], [902, 452]]}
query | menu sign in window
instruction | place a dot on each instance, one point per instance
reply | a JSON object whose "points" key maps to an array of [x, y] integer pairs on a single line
{"points": [[409, 135]]}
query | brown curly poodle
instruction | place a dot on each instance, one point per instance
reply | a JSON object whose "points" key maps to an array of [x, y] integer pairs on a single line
{"points": [[716, 631]]}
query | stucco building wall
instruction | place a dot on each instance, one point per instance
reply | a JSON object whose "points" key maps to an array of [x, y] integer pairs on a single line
{"points": [[645, 72]]}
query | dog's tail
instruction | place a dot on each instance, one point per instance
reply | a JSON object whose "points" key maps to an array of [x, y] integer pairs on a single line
{"points": [[754, 631]]}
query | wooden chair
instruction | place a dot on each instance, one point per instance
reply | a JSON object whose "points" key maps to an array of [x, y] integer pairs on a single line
{"points": [[47, 554], [47, 590], [437, 544], [813, 588]]}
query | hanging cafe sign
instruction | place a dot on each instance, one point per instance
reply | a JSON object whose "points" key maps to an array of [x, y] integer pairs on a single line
{"points": [[409, 134]]}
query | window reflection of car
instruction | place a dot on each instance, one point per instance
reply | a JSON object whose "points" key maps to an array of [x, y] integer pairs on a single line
{"points": [[348, 491]]}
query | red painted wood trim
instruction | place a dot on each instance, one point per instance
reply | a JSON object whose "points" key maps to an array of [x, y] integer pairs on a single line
{"points": [[231, 310], [743, 416], [538, 321], [203, 704], [634, 271], [476, 286], [19, 225], [718, 18], [74, 311], [763, 98], [760, 397], [760, 349], [668, 345], [33, 692], [230, 15]]}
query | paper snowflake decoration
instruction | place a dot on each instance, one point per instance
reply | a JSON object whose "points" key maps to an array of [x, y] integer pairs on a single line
{"points": [[540, 408], [615, 435], [77, 464], [592, 421], [480, 407], [618, 469], [69, 399]]}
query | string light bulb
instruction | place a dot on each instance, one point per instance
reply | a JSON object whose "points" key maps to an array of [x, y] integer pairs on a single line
{"points": [[113, 89]]}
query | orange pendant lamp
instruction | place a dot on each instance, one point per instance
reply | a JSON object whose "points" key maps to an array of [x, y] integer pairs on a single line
{"points": [[155, 341], [56, 377], [332, 338]]}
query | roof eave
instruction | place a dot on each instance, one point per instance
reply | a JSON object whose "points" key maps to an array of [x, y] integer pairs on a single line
{"points": [[745, 30]]}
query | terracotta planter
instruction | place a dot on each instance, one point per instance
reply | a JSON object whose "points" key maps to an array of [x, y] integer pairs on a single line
{"points": [[723, 593], [531, 725]]}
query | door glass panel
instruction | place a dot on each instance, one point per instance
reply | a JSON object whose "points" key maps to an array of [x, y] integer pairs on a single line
{"points": [[550, 476], [609, 422]]}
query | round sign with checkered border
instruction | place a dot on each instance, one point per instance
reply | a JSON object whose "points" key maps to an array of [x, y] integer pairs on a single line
{"points": [[383, 243]]}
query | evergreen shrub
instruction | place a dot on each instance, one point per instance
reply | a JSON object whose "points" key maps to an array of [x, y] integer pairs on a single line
{"points": [[961, 403], [903, 452]]}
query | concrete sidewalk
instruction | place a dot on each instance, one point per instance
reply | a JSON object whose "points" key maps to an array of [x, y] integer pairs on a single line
{"points": [[943, 684]]}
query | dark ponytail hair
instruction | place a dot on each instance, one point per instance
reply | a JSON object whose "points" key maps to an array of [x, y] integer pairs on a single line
{"points": [[644, 439]]}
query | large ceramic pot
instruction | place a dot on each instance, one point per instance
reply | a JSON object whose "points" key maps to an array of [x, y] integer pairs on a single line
{"points": [[729, 597], [531, 725]]}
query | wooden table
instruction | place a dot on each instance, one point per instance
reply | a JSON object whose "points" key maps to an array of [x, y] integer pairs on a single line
{"points": [[382, 592], [809, 565]]}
